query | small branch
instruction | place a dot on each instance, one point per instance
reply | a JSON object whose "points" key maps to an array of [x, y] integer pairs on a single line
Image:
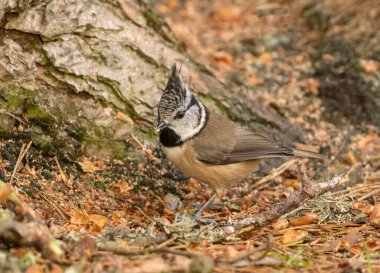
{"points": [[309, 190], [114, 248], [23, 151], [265, 248], [274, 173], [145, 150]]}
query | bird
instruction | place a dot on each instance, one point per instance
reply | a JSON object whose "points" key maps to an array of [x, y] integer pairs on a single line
{"points": [[208, 146]]}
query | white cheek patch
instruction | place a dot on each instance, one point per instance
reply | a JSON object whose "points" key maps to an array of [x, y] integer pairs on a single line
{"points": [[196, 123]]}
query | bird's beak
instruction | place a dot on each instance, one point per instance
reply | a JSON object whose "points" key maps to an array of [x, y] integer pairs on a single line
{"points": [[160, 126]]}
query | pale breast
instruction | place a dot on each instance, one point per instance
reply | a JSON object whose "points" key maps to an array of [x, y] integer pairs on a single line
{"points": [[217, 176]]}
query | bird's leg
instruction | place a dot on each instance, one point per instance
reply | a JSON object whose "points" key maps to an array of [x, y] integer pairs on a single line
{"points": [[197, 215]]}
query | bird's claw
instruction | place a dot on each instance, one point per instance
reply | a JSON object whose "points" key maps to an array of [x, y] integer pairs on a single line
{"points": [[204, 220]]}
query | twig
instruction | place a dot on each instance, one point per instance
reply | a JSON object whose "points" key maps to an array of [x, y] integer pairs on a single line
{"points": [[23, 151], [343, 146], [372, 193], [265, 248], [274, 173], [52, 204], [112, 247], [63, 175], [145, 150], [13, 116], [309, 190]]}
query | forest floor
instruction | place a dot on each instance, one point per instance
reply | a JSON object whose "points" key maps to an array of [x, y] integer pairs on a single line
{"points": [[317, 65]]}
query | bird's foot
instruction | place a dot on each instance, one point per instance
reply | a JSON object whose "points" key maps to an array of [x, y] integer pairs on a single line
{"points": [[197, 217], [204, 220]]}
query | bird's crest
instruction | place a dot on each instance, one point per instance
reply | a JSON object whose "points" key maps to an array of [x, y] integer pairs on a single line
{"points": [[176, 92]]}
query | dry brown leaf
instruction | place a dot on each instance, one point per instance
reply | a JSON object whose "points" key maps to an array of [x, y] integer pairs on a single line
{"points": [[364, 207], [350, 158], [78, 218], [375, 214], [123, 186], [55, 269], [328, 57], [292, 236], [280, 224], [369, 66], [292, 183], [227, 13], [98, 220], [266, 58], [370, 137], [222, 58], [35, 268], [313, 86], [88, 167], [254, 79], [5, 191], [303, 220]]}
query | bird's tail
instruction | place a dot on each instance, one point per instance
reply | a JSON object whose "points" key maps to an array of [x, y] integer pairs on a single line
{"points": [[303, 153]]}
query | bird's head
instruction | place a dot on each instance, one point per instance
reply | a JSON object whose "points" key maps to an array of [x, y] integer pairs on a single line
{"points": [[181, 115]]}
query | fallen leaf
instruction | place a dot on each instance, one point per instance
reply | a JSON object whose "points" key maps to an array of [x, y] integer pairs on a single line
{"points": [[88, 167], [313, 86], [370, 137], [78, 218], [364, 207], [227, 13], [256, 80], [122, 186], [350, 158], [55, 269], [292, 183], [222, 58], [292, 236], [98, 220], [266, 58], [280, 224], [35, 268], [5, 191], [369, 66], [303, 220], [374, 217]]}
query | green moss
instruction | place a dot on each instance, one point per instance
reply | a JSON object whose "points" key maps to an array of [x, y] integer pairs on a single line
{"points": [[16, 96], [35, 113]]}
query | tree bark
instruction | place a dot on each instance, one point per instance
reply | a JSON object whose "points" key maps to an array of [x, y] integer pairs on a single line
{"points": [[69, 69]]}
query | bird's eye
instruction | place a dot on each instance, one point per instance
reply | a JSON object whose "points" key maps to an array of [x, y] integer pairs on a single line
{"points": [[179, 115]]}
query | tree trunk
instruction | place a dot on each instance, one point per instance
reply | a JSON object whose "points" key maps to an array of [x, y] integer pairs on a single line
{"points": [[70, 71]]}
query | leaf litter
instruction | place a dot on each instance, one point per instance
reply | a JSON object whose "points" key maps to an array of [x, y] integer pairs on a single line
{"points": [[117, 217]]}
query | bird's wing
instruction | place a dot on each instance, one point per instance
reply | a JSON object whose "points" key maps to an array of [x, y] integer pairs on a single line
{"points": [[245, 146], [223, 142]]}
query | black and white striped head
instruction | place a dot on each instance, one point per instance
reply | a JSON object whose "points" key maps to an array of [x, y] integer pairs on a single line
{"points": [[181, 116]]}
